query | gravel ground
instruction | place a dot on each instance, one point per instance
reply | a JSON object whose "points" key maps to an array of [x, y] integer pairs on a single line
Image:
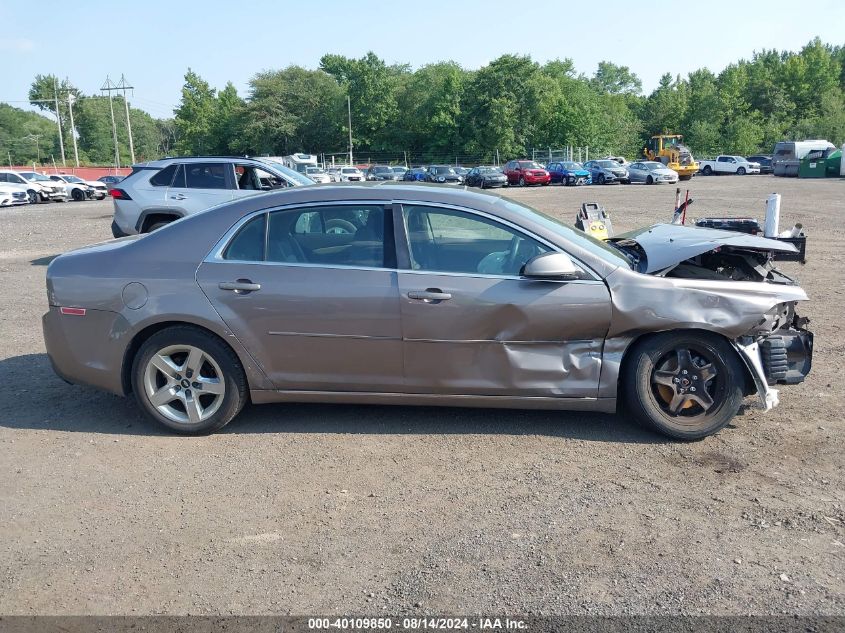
{"points": [[353, 509]]}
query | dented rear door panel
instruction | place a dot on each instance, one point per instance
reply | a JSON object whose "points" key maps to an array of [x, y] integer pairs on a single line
{"points": [[503, 336]]}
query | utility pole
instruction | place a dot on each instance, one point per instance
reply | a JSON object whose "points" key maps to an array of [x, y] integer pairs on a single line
{"points": [[70, 99], [123, 86], [349, 112], [59, 120], [35, 137], [108, 87]]}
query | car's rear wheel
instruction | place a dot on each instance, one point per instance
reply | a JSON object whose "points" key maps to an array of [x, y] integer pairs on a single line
{"points": [[686, 385], [707, 170], [188, 380]]}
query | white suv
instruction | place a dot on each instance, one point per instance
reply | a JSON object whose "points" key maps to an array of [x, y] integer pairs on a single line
{"points": [[162, 191]]}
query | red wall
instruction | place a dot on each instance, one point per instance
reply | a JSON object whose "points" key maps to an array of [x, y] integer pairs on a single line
{"points": [[86, 173]]}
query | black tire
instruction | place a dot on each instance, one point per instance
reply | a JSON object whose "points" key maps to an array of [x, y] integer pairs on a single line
{"points": [[600, 179], [43, 197], [481, 185], [521, 181], [707, 170], [740, 171], [155, 226], [77, 195], [570, 181], [649, 181], [649, 403], [33, 196], [234, 379]]}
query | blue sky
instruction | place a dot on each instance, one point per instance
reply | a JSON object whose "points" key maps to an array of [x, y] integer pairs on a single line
{"points": [[154, 42]]}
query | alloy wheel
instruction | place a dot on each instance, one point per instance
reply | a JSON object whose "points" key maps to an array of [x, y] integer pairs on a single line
{"points": [[684, 382], [184, 384]]}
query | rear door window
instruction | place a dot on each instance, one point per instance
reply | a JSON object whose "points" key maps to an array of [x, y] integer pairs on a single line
{"points": [[205, 175], [343, 235]]}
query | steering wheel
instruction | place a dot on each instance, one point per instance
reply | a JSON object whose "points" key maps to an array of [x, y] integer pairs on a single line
{"points": [[339, 226]]}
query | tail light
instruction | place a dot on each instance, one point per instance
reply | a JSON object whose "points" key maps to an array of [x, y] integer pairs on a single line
{"points": [[119, 194]]}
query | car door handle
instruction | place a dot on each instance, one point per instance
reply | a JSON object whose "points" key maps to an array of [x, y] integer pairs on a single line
{"points": [[241, 286], [178, 196], [429, 294]]}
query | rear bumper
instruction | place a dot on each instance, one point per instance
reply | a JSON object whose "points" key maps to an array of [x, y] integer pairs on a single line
{"points": [[116, 230], [87, 350]]}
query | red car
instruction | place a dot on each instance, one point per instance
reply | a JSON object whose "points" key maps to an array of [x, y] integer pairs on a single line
{"points": [[526, 172]]}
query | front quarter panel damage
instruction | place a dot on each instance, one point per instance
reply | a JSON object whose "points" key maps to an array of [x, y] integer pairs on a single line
{"points": [[644, 304]]}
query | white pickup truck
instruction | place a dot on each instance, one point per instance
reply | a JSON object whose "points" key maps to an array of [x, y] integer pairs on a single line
{"points": [[728, 165]]}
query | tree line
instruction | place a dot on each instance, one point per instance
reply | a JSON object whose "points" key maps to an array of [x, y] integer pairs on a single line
{"points": [[443, 112]]}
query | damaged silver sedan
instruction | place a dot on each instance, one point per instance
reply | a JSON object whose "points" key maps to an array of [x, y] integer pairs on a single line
{"points": [[412, 294]]}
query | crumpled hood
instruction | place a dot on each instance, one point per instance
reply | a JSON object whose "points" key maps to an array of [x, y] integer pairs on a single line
{"points": [[669, 244]]}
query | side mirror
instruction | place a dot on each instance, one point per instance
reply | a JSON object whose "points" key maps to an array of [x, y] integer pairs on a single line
{"points": [[556, 266]]}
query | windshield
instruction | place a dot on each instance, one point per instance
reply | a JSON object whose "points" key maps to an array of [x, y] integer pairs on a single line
{"points": [[443, 170], [572, 166], [73, 179], [653, 166], [598, 248], [488, 170], [31, 175], [379, 169], [349, 170], [399, 169], [314, 170], [607, 164], [290, 174], [529, 164]]}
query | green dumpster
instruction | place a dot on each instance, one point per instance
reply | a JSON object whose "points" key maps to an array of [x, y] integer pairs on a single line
{"points": [[813, 165], [834, 163]]}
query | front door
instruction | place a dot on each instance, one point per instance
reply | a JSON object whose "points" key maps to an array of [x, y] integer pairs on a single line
{"points": [[312, 294], [471, 325]]}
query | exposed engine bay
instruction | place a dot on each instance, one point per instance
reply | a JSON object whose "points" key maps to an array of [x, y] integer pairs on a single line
{"points": [[730, 263]]}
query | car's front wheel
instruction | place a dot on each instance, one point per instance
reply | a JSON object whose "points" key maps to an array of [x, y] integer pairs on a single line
{"points": [[78, 195], [687, 385], [521, 181], [188, 380]]}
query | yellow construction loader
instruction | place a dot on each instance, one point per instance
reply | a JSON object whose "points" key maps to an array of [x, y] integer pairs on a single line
{"points": [[670, 150]]}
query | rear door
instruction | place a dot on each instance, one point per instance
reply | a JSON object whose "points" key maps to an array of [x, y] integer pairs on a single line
{"points": [[473, 326], [312, 293], [200, 186]]}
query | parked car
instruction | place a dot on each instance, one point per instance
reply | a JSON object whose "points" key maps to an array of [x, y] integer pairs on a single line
{"points": [[110, 181], [569, 173], [485, 177], [381, 172], [79, 189], [726, 164], [452, 297], [765, 162], [39, 188], [462, 171], [651, 172], [526, 172], [317, 174], [606, 172], [399, 171], [443, 174], [13, 195], [162, 191], [351, 174], [416, 174]]}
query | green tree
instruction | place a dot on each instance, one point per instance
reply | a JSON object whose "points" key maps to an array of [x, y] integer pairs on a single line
{"points": [[616, 80], [195, 116]]}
